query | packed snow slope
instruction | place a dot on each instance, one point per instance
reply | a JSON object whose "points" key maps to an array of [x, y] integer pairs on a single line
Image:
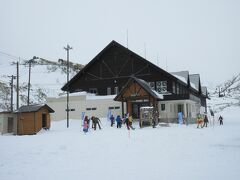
{"points": [[167, 153]]}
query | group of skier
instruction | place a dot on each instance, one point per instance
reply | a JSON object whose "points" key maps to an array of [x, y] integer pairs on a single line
{"points": [[126, 120], [203, 121], [95, 122]]}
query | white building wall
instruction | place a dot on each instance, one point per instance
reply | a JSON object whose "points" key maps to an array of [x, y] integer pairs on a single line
{"points": [[90, 104], [190, 109]]}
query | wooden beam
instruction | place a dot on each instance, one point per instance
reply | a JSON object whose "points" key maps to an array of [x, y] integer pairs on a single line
{"points": [[123, 66], [109, 69], [93, 75], [139, 71]]}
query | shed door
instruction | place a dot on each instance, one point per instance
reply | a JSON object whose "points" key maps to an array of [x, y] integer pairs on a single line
{"points": [[10, 124], [44, 120]]}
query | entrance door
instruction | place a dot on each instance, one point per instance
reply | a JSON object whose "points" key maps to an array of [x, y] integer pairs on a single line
{"points": [[44, 120], [10, 124], [136, 108], [180, 108]]}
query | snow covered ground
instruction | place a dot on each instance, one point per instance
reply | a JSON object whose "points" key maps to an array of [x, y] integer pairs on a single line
{"points": [[176, 152]]}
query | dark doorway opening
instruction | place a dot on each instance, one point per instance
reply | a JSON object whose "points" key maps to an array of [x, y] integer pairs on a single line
{"points": [[44, 121], [180, 108], [10, 124], [136, 108]]}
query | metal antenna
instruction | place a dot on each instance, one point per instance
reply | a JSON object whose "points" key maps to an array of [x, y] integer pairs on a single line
{"points": [[166, 64], [145, 51], [127, 38]]}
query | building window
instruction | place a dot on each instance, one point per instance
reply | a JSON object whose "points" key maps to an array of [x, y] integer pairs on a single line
{"points": [[93, 90], [161, 86], [152, 85], [177, 88], [117, 107], [163, 107], [109, 91], [111, 108], [180, 90], [91, 109], [174, 87], [116, 90]]}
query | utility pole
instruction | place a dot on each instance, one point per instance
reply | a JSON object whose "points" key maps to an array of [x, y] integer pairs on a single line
{"points": [[17, 89], [67, 49], [11, 84], [29, 76]]}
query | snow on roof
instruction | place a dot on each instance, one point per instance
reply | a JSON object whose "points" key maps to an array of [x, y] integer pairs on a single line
{"points": [[160, 96], [180, 78], [181, 75], [194, 81], [204, 90], [89, 96], [96, 97]]}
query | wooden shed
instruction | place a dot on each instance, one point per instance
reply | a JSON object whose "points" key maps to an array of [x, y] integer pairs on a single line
{"points": [[33, 118]]}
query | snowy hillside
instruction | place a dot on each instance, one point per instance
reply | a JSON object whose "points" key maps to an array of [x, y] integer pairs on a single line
{"points": [[47, 78], [225, 95], [169, 153]]}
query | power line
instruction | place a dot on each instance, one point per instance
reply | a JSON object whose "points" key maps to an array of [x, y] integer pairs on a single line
{"points": [[10, 55]]}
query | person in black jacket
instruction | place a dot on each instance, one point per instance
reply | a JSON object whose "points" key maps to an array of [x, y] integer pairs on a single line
{"points": [[220, 120], [205, 121], [96, 121]]}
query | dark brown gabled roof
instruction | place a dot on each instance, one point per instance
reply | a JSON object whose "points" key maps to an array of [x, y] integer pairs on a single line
{"points": [[34, 108], [142, 83], [97, 57]]}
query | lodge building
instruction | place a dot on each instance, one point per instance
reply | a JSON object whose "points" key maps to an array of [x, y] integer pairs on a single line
{"points": [[136, 82]]}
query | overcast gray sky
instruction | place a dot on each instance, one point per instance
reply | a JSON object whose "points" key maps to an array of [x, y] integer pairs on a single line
{"points": [[202, 36]]}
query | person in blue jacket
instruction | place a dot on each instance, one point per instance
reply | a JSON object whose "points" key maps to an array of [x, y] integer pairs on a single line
{"points": [[112, 120], [119, 121], [180, 117]]}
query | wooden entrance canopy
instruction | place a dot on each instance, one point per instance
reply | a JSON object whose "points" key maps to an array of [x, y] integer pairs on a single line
{"points": [[136, 90]]}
